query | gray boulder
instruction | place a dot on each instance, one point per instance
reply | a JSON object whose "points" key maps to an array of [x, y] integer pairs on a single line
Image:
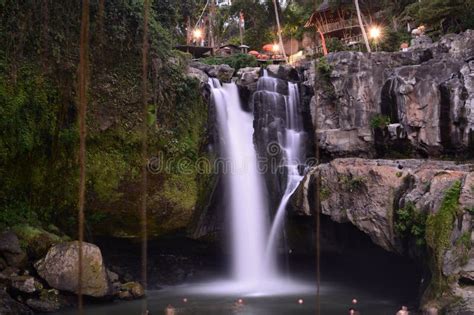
{"points": [[248, 76], [26, 284], [198, 74], [285, 72], [11, 251], [131, 290], [60, 269], [9, 243], [223, 72]]}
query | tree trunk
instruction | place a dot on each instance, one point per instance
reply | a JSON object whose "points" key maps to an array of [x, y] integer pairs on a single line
{"points": [[282, 49], [361, 24], [83, 72]]}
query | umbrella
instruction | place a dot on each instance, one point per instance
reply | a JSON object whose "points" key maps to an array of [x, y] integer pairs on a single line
{"points": [[254, 53], [268, 47]]}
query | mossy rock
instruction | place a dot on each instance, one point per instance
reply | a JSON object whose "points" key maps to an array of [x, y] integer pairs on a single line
{"points": [[135, 289], [439, 227], [37, 241]]}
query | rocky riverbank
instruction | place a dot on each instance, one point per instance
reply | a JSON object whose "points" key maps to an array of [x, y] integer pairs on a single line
{"points": [[39, 273]]}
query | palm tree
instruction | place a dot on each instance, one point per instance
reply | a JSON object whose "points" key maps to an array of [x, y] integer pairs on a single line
{"points": [[359, 16], [282, 48]]}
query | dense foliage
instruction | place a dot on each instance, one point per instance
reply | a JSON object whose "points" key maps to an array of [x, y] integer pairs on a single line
{"points": [[443, 16], [38, 143]]}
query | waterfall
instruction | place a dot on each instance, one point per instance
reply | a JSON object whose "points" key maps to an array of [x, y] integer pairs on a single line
{"points": [[253, 273], [247, 202], [292, 143]]}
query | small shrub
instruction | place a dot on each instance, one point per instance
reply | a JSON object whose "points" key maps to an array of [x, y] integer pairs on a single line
{"points": [[393, 40], [334, 45], [324, 68], [352, 184], [411, 223], [379, 121]]}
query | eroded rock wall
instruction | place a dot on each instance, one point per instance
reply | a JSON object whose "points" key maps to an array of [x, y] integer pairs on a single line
{"points": [[402, 206], [427, 94]]}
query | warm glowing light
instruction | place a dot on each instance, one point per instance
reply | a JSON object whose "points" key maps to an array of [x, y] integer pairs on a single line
{"points": [[197, 33], [300, 301], [240, 301], [375, 32], [185, 300], [354, 301], [276, 48]]}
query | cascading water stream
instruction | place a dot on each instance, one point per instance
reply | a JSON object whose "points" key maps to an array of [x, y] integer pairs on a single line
{"points": [[247, 198], [292, 143], [253, 274]]}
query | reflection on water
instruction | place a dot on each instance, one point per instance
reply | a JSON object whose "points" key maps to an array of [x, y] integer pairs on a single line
{"points": [[335, 300]]}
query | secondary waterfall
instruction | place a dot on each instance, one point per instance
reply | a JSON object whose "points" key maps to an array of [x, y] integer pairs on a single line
{"points": [[247, 198], [292, 143]]}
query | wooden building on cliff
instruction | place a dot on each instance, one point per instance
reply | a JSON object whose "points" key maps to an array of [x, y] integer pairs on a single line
{"points": [[340, 21]]}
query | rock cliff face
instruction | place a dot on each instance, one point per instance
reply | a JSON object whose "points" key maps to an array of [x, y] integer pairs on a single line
{"points": [[411, 104], [412, 207], [420, 102]]}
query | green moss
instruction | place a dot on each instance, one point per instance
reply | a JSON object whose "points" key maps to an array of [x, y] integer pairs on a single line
{"points": [[464, 240], [37, 241], [352, 183], [325, 193], [439, 227], [471, 209], [36, 154]]}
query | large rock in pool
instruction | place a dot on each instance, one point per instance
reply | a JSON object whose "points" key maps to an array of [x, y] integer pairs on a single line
{"points": [[60, 269]]}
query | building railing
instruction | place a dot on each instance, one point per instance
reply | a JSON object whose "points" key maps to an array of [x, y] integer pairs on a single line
{"points": [[348, 41], [339, 25]]}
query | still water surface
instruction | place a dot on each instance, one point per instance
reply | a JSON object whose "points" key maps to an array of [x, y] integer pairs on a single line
{"points": [[335, 300]]}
